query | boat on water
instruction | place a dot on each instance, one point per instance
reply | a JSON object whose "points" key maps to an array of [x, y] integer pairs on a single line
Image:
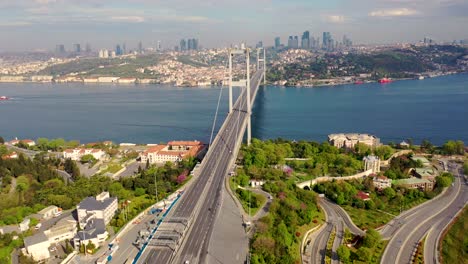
{"points": [[3, 98], [421, 77], [385, 80], [358, 82]]}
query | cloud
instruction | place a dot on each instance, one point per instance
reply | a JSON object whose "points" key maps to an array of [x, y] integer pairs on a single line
{"points": [[338, 19], [15, 24], [395, 12], [130, 19]]}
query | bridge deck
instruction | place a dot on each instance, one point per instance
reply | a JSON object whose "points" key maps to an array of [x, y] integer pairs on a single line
{"points": [[201, 201]]}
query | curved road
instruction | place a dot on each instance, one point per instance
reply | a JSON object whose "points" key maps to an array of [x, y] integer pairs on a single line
{"points": [[413, 227], [338, 220]]}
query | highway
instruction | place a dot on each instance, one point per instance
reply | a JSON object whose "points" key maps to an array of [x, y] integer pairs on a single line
{"points": [[413, 227], [338, 220], [201, 202]]}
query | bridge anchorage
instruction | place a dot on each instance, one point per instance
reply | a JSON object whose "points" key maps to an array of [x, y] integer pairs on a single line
{"points": [[186, 233]]}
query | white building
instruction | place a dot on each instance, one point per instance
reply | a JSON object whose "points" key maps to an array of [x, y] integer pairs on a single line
{"points": [[77, 153], [351, 140], [37, 246], [49, 212], [24, 225], [382, 182], [100, 207], [372, 163]]}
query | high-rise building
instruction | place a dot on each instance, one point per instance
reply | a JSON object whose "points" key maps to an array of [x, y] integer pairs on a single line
{"points": [[293, 42], [189, 44], [305, 41], [124, 49], [140, 47], [158, 46], [347, 42], [194, 44], [77, 48], [118, 50], [183, 45], [327, 41], [259, 44], [88, 47], [296, 42], [277, 42], [60, 48]]}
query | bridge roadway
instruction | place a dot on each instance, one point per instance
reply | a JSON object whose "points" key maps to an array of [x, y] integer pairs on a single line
{"points": [[201, 202]]}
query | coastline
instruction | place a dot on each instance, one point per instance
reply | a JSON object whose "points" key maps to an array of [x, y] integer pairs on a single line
{"points": [[426, 76]]}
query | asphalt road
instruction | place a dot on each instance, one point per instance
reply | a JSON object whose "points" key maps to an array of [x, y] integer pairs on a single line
{"points": [[338, 220], [201, 202], [415, 226]]}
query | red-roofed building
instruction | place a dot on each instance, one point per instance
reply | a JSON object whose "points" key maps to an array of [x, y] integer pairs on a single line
{"points": [[363, 196], [12, 155], [28, 142], [175, 151]]}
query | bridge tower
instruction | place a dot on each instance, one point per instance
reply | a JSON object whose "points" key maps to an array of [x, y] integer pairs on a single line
{"points": [[260, 61]]}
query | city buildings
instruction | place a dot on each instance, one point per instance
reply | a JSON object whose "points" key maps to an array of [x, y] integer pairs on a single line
{"points": [[174, 151], [293, 42], [381, 182], [60, 48], [277, 43], [37, 246], [350, 140], [50, 212], [415, 183], [77, 153], [100, 207], [305, 41], [372, 163], [77, 48]]}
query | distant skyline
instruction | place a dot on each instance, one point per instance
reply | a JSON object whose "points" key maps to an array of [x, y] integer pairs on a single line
{"points": [[27, 25]]}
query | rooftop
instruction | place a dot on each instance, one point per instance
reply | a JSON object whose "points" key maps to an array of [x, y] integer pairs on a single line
{"points": [[35, 239], [91, 203], [412, 180]]}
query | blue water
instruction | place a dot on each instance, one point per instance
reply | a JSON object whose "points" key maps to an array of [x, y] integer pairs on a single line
{"points": [[435, 109]]}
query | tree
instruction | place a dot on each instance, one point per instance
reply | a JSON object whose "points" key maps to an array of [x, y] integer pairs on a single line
{"points": [[364, 254], [372, 238], [389, 193], [344, 253], [87, 158], [442, 181], [2, 141], [426, 145]]}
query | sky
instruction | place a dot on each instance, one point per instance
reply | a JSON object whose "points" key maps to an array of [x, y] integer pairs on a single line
{"points": [[27, 25]]}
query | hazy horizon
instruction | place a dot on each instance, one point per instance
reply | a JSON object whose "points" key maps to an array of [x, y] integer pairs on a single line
{"points": [[28, 25]]}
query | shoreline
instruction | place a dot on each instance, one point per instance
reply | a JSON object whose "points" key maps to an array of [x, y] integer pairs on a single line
{"points": [[136, 81]]}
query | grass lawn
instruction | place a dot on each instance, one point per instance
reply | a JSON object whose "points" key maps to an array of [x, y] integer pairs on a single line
{"points": [[376, 254], [455, 242], [112, 168], [367, 218]]}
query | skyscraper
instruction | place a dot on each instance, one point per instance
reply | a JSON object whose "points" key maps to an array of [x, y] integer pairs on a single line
{"points": [[77, 48], [296, 42], [118, 50], [158, 45], [88, 47], [190, 44], [327, 41], [140, 47], [259, 44], [293, 42], [195, 44], [124, 49], [277, 42], [60, 48], [347, 42], [183, 45], [305, 41]]}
